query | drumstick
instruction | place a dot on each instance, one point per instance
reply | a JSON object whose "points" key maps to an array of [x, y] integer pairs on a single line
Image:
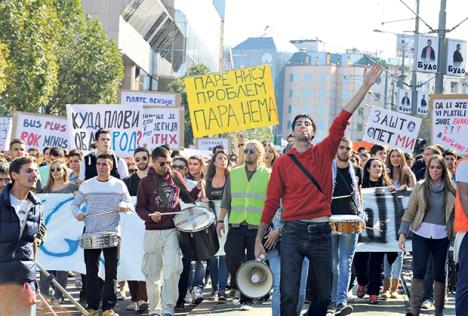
{"points": [[372, 228], [341, 197], [168, 213]]}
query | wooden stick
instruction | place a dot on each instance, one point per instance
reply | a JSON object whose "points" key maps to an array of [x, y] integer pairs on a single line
{"points": [[372, 228], [168, 213], [47, 304]]}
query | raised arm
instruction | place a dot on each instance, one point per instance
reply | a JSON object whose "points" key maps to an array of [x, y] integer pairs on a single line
{"points": [[370, 77]]}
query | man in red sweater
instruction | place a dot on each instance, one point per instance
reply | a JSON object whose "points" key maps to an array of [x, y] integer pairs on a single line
{"points": [[307, 207]]}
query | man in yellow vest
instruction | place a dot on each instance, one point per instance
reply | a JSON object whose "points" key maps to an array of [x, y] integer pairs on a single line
{"points": [[244, 196], [461, 239]]}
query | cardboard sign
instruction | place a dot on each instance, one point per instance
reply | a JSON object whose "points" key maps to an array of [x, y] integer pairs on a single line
{"points": [[456, 55], [210, 143], [392, 128], [450, 121], [5, 133], [423, 103], [427, 53], [404, 101], [231, 101], [40, 130], [123, 121], [163, 126], [155, 98]]}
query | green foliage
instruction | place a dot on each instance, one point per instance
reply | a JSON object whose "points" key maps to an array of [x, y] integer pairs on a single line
{"points": [[29, 30], [57, 56], [178, 86], [3, 65]]}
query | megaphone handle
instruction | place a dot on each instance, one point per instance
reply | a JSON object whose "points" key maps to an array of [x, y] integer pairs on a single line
{"points": [[262, 258]]}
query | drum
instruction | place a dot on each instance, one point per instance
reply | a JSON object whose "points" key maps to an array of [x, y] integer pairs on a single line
{"points": [[346, 224], [196, 231], [217, 209], [99, 240]]}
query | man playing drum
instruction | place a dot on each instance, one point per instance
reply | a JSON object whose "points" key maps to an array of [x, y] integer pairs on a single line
{"points": [[160, 193], [105, 196], [244, 195], [345, 208]]}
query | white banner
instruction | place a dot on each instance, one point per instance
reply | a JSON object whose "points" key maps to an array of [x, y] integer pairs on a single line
{"points": [[427, 53], [163, 126], [5, 133], [392, 128], [149, 98], [40, 130], [404, 101], [123, 121], [423, 103], [456, 55], [450, 121], [210, 143]]}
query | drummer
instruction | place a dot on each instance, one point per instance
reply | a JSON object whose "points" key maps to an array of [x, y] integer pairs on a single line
{"points": [[105, 195], [347, 197], [160, 193]]}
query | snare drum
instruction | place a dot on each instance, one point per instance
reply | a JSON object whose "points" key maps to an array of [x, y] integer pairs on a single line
{"points": [[341, 224], [196, 230], [99, 240]]}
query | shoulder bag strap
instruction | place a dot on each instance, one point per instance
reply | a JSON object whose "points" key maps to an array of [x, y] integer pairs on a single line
{"points": [[306, 172]]}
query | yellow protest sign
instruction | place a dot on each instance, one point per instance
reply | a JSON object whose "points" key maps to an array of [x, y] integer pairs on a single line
{"points": [[231, 101]]}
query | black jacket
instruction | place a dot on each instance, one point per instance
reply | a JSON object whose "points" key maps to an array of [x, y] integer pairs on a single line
{"points": [[17, 263]]}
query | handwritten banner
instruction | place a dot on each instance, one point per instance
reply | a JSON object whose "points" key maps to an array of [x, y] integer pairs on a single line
{"points": [[5, 133], [392, 128], [123, 121], [163, 126], [155, 98], [230, 101], [450, 121], [40, 130], [210, 143]]}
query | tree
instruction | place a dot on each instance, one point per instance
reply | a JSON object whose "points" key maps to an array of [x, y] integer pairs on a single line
{"points": [[178, 86], [90, 64], [3, 65], [29, 30]]}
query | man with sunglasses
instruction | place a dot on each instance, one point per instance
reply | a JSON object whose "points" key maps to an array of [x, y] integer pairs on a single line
{"points": [[302, 180], [244, 195], [158, 193], [138, 288]]}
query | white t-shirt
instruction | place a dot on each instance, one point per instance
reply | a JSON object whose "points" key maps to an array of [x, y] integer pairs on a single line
{"points": [[22, 208]]}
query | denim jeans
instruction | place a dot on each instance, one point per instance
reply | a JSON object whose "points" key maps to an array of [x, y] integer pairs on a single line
{"points": [[343, 247], [393, 271], [218, 273], [461, 296], [197, 274], [275, 266], [311, 240]]}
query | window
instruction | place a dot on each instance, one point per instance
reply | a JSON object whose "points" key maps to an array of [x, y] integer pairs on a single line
{"points": [[454, 87], [289, 109], [344, 94], [359, 127], [308, 77], [323, 78], [291, 77], [360, 111], [289, 124], [291, 94], [306, 93], [323, 93]]}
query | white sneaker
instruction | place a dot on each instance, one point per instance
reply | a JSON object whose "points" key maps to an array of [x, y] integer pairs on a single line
{"points": [[197, 297], [188, 298], [246, 307], [427, 305], [132, 306], [236, 298]]}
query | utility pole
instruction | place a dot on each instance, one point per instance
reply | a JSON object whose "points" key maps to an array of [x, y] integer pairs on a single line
{"points": [[414, 92], [442, 56]]}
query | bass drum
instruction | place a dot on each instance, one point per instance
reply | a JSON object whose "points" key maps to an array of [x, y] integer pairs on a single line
{"points": [[215, 206], [196, 230]]}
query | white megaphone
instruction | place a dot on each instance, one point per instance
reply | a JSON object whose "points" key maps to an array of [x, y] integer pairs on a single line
{"points": [[254, 278]]}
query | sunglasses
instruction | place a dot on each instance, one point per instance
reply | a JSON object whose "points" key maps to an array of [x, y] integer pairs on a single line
{"points": [[249, 151], [179, 167], [144, 158], [55, 169], [162, 164]]}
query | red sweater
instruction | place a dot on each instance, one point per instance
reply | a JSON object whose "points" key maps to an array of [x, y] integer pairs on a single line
{"points": [[301, 199]]}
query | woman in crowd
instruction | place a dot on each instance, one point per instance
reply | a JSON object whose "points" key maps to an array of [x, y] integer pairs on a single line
{"points": [[270, 154], [369, 264], [402, 178], [430, 217], [215, 178], [57, 183], [364, 157]]}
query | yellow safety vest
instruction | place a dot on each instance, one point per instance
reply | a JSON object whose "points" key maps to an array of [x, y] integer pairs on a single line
{"points": [[248, 197]]}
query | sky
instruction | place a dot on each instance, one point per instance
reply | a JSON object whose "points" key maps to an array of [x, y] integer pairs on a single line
{"points": [[340, 24]]}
